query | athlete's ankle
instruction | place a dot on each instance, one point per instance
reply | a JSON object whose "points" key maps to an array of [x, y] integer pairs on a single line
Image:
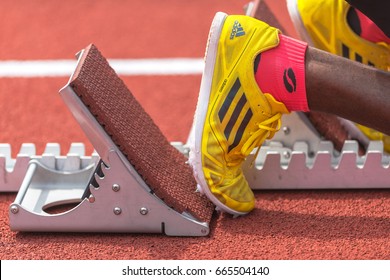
{"points": [[281, 72]]}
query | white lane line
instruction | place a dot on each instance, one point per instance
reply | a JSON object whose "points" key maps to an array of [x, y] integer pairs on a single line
{"points": [[125, 67]]}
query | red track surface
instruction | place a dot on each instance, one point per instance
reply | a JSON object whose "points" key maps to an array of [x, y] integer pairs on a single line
{"points": [[284, 225]]}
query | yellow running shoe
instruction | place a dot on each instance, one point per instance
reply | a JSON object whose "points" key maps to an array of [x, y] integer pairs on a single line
{"points": [[233, 115], [323, 25]]}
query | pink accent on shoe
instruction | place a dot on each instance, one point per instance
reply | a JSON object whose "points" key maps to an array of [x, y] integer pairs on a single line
{"points": [[281, 73], [370, 31]]}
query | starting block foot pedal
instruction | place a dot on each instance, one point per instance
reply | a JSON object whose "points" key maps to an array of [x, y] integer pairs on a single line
{"points": [[141, 184]]}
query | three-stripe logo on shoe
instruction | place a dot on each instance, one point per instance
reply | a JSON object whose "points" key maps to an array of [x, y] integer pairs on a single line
{"points": [[237, 30], [235, 123], [346, 53]]}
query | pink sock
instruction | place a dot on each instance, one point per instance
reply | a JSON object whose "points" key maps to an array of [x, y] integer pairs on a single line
{"points": [[281, 73], [370, 31]]}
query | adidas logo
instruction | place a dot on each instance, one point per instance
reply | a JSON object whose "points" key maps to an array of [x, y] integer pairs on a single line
{"points": [[237, 30]]}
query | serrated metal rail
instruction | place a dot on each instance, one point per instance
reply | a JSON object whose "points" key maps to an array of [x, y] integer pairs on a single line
{"points": [[299, 166], [13, 170], [276, 167]]}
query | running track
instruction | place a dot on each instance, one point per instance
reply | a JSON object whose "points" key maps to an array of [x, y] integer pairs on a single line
{"points": [[285, 224]]}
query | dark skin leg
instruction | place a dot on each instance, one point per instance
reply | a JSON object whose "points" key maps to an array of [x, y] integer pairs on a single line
{"points": [[348, 89]]}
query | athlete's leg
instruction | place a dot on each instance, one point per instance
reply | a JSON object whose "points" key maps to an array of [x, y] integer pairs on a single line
{"points": [[348, 89]]}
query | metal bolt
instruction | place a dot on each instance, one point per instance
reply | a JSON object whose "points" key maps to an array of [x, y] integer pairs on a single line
{"points": [[116, 187], [203, 231], [286, 130], [186, 151], [117, 210], [286, 154], [143, 211], [14, 209], [91, 199]]}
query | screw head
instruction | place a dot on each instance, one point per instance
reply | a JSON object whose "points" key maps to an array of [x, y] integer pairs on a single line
{"points": [[14, 209], [286, 130], [116, 187], [117, 210], [186, 151], [144, 210]]}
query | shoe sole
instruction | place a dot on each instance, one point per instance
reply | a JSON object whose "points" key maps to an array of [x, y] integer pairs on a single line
{"points": [[195, 139], [352, 130]]}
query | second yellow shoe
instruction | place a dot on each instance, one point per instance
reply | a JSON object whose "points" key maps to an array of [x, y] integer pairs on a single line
{"points": [[323, 24], [233, 115]]}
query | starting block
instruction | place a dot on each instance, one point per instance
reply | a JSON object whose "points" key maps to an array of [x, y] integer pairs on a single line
{"points": [[140, 183], [133, 185]]}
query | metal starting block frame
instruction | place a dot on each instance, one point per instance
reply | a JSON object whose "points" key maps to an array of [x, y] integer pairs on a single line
{"points": [[110, 195]]}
